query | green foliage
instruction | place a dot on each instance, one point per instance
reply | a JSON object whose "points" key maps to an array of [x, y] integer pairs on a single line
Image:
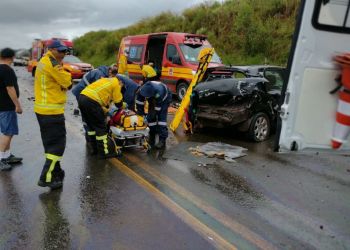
{"points": [[241, 31]]}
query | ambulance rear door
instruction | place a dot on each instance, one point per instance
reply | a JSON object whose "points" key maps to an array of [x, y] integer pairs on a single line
{"points": [[308, 111]]}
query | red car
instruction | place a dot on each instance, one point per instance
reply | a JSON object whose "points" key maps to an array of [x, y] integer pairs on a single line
{"points": [[76, 67]]}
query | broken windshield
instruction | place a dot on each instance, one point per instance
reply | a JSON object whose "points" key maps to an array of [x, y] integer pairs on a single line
{"points": [[190, 53]]}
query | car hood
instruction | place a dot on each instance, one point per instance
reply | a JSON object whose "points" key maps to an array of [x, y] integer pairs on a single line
{"points": [[231, 86], [80, 65]]}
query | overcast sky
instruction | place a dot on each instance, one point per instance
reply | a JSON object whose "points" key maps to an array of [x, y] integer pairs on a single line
{"points": [[21, 21]]}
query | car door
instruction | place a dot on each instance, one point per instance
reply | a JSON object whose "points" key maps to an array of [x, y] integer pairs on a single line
{"points": [[308, 113]]}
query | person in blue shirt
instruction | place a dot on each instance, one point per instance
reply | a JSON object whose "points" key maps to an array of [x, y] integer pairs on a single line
{"points": [[159, 98], [90, 77], [128, 90]]}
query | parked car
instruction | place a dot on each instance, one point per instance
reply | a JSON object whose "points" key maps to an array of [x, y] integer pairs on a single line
{"points": [[21, 57], [20, 61], [76, 67], [250, 102]]}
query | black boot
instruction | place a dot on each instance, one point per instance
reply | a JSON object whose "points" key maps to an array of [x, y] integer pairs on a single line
{"points": [[56, 179], [91, 142], [92, 147], [152, 139], [107, 148]]}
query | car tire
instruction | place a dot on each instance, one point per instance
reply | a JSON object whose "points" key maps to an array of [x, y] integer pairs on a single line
{"points": [[181, 90], [33, 71], [260, 127]]}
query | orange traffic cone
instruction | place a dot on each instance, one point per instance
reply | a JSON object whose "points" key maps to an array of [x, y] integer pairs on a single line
{"points": [[341, 129]]}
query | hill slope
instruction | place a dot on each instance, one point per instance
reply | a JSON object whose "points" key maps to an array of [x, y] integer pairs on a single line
{"points": [[241, 31]]}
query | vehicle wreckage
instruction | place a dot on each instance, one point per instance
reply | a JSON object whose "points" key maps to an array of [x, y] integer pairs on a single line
{"points": [[248, 104]]}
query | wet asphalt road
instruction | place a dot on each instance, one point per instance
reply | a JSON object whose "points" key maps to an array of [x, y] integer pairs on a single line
{"points": [[173, 200]]}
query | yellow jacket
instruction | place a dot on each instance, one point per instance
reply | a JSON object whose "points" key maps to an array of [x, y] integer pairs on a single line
{"points": [[104, 91], [50, 86], [148, 71], [123, 65]]}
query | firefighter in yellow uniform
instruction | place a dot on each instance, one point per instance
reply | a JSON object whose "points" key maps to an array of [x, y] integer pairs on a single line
{"points": [[50, 86], [148, 72], [94, 102], [123, 63]]}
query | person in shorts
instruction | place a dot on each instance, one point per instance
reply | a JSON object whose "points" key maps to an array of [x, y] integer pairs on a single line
{"points": [[9, 108]]}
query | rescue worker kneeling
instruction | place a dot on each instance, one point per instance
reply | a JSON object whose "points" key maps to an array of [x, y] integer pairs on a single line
{"points": [[159, 98], [94, 102]]}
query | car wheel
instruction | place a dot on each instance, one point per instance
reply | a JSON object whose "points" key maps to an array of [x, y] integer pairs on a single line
{"points": [[33, 71], [181, 90], [260, 127]]}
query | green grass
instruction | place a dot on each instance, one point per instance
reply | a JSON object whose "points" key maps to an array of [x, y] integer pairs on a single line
{"points": [[241, 31]]}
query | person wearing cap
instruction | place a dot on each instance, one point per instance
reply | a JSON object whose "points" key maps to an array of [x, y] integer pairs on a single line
{"points": [[148, 72], [10, 106], [159, 98], [94, 102], [123, 63], [50, 89]]}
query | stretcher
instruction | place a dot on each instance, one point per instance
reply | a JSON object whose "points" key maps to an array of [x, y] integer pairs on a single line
{"points": [[129, 130]]}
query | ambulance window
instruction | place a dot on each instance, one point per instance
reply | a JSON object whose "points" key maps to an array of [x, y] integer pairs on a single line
{"points": [[171, 52], [135, 53], [332, 15]]}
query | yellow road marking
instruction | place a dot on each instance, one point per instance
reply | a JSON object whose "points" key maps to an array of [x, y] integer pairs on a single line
{"points": [[207, 233], [213, 212]]}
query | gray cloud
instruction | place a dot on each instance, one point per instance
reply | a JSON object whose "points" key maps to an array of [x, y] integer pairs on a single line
{"points": [[21, 21]]}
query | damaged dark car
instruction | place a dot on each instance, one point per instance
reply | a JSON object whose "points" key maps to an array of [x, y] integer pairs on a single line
{"points": [[249, 103]]}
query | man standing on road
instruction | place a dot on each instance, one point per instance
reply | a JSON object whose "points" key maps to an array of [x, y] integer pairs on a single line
{"points": [[9, 108], [50, 85]]}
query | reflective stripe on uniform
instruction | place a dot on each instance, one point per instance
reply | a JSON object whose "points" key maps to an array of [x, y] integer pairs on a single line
{"points": [[166, 92], [151, 124], [85, 80], [49, 106], [139, 103], [91, 132], [162, 124], [43, 89], [54, 159], [94, 93], [105, 142], [157, 108]]}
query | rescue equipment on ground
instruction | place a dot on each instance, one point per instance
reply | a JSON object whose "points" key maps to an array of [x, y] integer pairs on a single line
{"points": [[204, 59], [341, 129], [129, 129]]}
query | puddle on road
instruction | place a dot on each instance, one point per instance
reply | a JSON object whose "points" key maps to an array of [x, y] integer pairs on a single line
{"points": [[231, 185]]}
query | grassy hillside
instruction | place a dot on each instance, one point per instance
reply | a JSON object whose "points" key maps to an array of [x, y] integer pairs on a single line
{"points": [[241, 31]]}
